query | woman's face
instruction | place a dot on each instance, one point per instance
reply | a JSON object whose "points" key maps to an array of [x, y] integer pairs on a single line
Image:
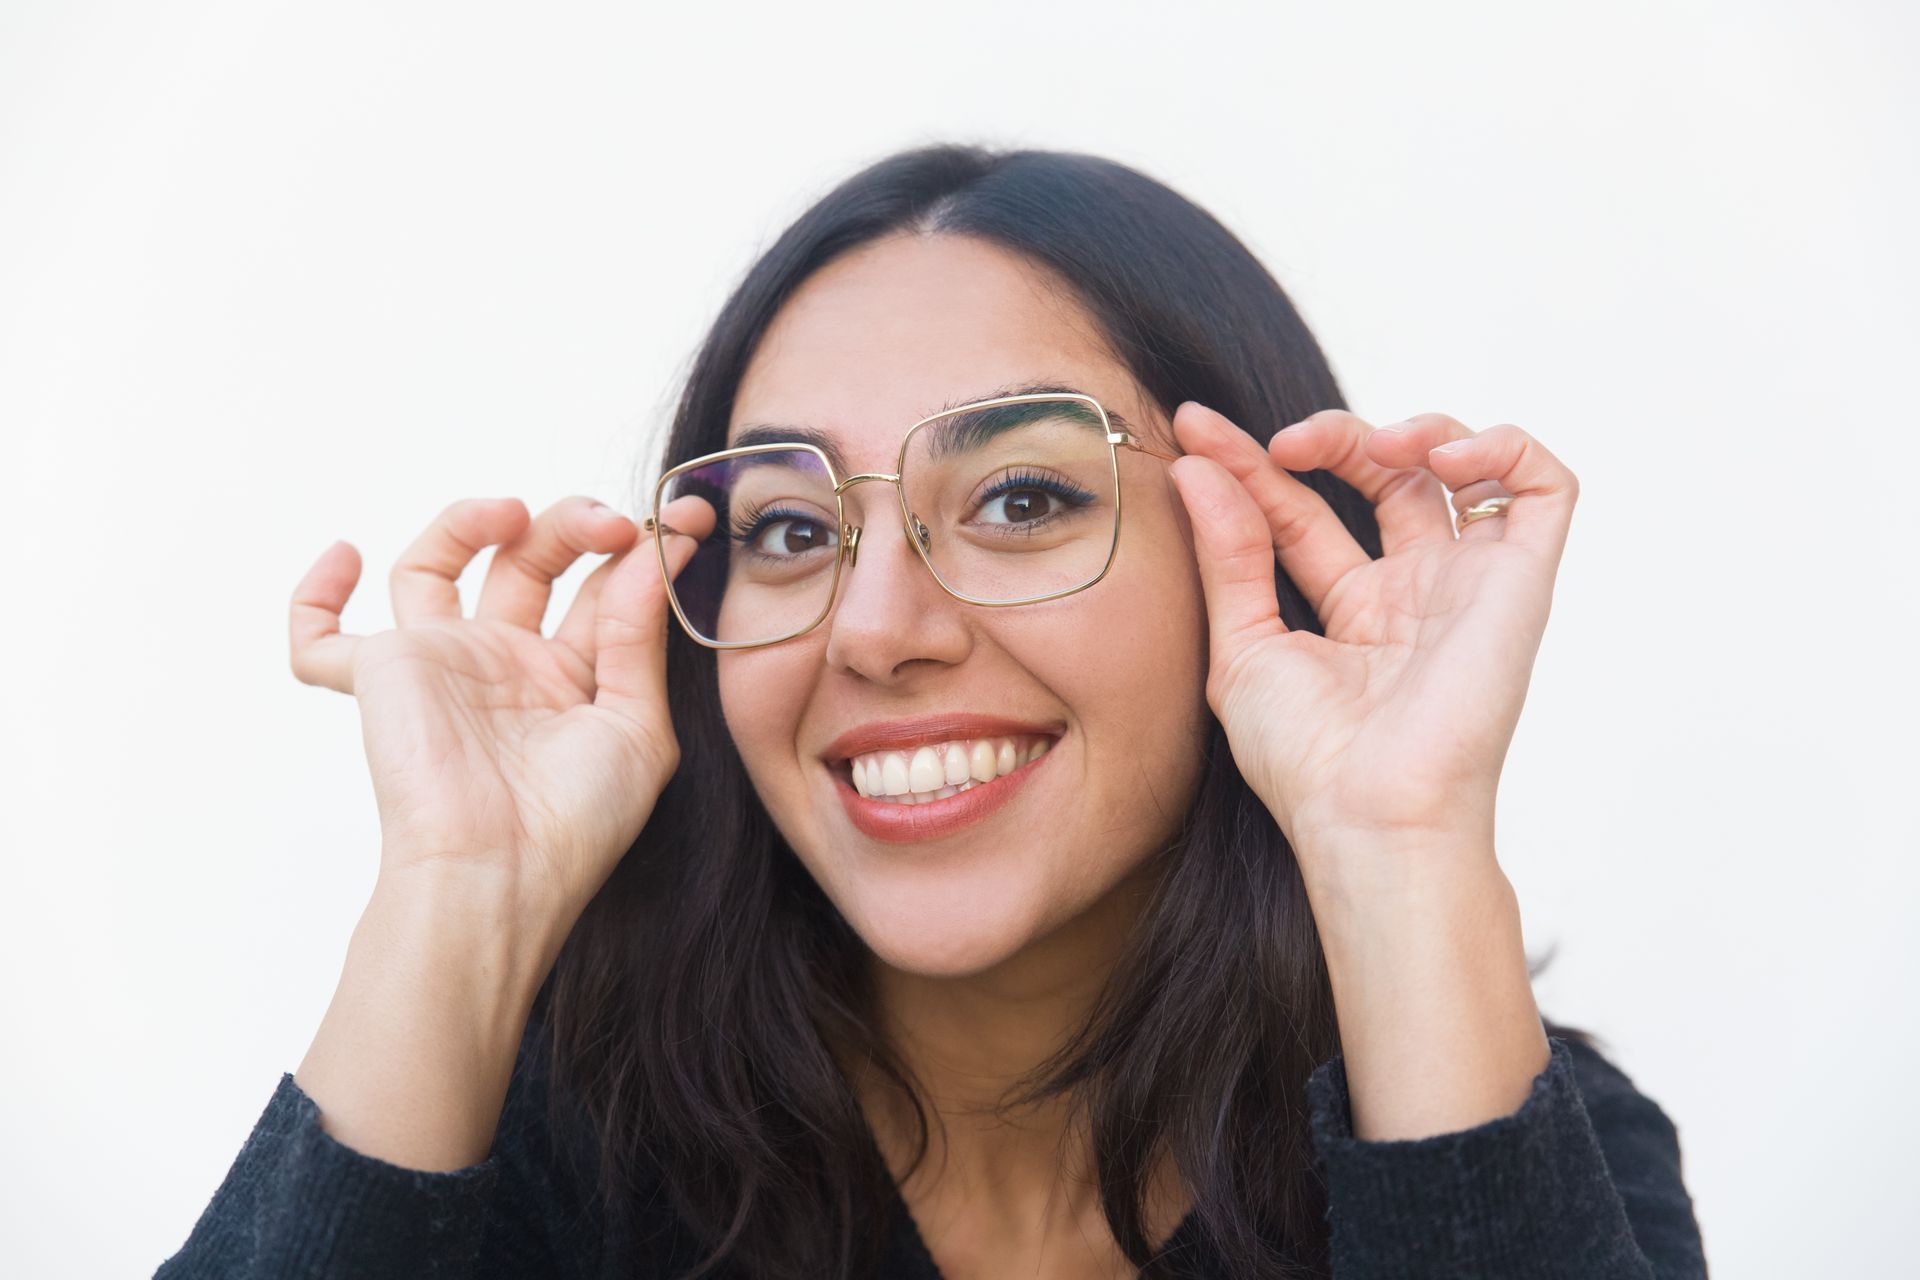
{"points": [[1111, 679]]}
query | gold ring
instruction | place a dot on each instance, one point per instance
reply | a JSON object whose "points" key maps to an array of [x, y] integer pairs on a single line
{"points": [[1481, 510]]}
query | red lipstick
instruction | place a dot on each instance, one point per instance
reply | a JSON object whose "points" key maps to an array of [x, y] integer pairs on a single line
{"points": [[929, 820], [920, 731]]}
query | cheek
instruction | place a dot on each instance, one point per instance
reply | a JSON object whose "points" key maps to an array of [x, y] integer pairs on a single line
{"points": [[1146, 714], [762, 695], [1153, 626], [1127, 661]]}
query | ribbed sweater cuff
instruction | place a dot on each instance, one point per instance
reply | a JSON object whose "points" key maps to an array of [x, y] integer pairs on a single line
{"points": [[330, 1210], [1525, 1194]]}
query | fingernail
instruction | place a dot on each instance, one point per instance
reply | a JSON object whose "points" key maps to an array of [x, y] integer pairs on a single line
{"points": [[602, 509], [1391, 429], [1452, 446]]}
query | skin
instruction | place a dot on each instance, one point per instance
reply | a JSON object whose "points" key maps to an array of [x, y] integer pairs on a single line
{"points": [[989, 943], [1376, 748]]}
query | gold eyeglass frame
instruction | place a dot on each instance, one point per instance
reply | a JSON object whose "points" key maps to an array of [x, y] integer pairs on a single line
{"points": [[849, 550]]}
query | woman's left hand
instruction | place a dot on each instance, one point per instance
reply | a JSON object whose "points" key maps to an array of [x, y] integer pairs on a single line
{"points": [[1389, 731]]}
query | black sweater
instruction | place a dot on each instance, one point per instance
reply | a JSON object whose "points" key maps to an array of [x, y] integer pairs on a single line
{"points": [[1583, 1180]]}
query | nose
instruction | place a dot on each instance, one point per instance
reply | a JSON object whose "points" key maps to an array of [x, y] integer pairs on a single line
{"points": [[891, 619]]}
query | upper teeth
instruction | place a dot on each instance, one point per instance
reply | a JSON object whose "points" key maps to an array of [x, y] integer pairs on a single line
{"points": [[936, 771]]}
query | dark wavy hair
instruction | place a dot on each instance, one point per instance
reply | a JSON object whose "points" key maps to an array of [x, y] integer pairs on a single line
{"points": [[696, 1009]]}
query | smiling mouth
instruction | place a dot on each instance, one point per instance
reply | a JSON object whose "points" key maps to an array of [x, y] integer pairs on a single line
{"points": [[936, 771]]}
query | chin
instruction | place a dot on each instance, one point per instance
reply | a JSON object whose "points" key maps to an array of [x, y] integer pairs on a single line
{"points": [[945, 925]]}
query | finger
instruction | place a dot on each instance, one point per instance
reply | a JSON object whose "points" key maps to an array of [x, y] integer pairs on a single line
{"points": [[424, 580], [519, 582], [576, 628], [1544, 489], [1314, 546], [319, 652], [1235, 552], [1413, 440], [1407, 444], [630, 618], [1408, 500]]}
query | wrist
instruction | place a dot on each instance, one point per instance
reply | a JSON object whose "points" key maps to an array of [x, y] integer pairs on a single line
{"points": [[1433, 998], [414, 1056], [477, 932], [1361, 881]]}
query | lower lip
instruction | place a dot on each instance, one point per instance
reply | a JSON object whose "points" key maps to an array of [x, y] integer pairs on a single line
{"points": [[906, 823]]}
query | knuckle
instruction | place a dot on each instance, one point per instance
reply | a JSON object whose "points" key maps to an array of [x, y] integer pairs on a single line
{"points": [[1219, 685], [1288, 527], [611, 631]]}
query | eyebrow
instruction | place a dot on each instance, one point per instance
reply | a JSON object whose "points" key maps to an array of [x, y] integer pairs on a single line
{"points": [[776, 433]]}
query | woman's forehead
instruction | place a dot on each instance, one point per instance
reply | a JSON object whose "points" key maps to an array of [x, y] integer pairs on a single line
{"points": [[907, 326]]}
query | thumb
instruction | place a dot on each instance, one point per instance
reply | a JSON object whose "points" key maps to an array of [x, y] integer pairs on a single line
{"points": [[630, 624], [1232, 542]]}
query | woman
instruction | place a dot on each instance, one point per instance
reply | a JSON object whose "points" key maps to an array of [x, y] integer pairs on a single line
{"points": [[816, 917]]}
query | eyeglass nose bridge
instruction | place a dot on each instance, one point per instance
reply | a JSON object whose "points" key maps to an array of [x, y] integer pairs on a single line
{"points": [[850, 533]]}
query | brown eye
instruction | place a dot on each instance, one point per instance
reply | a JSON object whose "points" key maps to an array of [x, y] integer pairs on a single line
{"points": [[1030, 499], [781, 536], [1024, 504]]}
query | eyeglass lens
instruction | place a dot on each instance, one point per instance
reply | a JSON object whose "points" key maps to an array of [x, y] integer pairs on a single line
{"points": [[1008, 502]]}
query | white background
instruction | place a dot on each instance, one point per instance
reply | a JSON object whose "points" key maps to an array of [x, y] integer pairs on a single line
{"points": [[272, 275]]}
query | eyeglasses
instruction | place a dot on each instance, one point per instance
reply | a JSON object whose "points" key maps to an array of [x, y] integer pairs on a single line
{"points": [[1008, 501]]}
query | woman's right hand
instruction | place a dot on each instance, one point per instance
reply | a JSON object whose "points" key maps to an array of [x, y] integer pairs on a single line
{"points": [[527, 762]]}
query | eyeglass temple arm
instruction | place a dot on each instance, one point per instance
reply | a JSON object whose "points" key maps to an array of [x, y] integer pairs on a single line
{"points": [[1123, 438]]}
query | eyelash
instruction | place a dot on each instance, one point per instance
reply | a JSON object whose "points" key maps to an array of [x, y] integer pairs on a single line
{"points": [[1071, 494], [747, 526]]}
